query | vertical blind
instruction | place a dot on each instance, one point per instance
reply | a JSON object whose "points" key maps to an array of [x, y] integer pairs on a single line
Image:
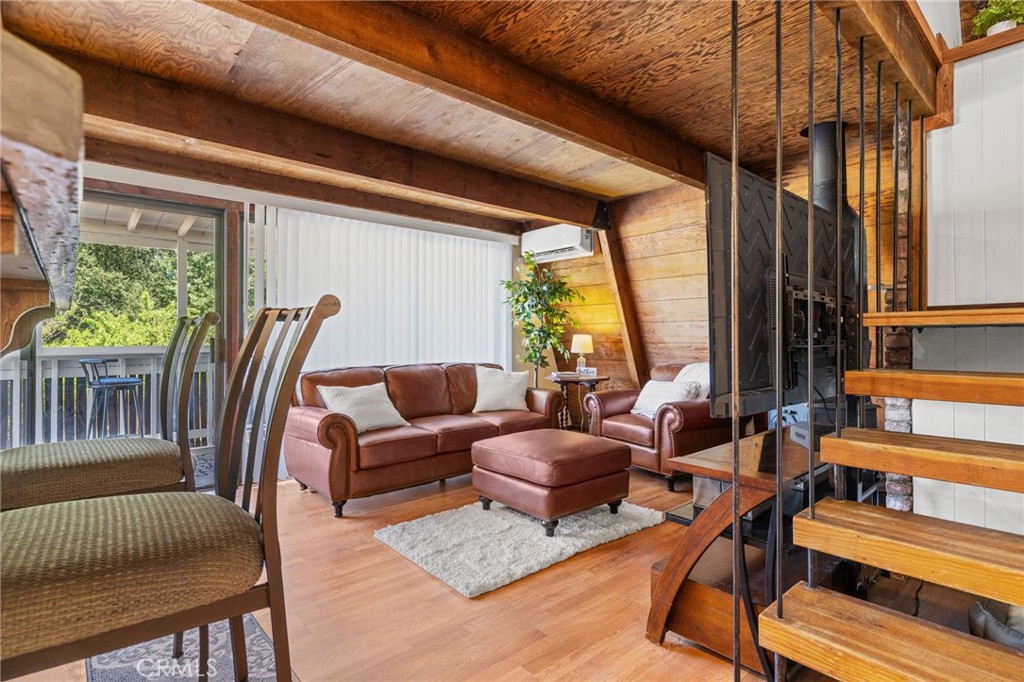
{"points": [[407, 295]]}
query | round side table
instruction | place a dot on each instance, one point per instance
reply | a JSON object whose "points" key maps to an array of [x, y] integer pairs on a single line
{"points": [[577, 380]]}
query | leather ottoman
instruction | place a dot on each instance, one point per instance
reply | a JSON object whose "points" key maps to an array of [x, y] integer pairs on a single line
{"points": [[551, 473]]}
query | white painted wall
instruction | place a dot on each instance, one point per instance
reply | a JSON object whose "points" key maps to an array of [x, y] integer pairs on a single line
{"points": [[943, 17], [976, 186], [976, 255], [981, 349]]}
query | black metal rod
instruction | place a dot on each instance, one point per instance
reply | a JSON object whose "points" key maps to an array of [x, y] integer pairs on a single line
{"points": [[840, 204], [922, 212], [878, 212], [734, 398], [910, 206], [811, 559], [779, 671], [862, 247], [780, 291], [896, 195]]}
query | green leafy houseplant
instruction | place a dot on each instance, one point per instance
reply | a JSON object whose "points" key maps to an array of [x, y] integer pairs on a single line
{"points": [[536, 300], [996, 11]]}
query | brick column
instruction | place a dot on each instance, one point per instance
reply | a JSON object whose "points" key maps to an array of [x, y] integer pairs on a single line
{"points": [[899, 489]]}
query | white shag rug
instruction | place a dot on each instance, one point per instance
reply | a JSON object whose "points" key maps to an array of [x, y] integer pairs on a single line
{"points": [[476, 551]]}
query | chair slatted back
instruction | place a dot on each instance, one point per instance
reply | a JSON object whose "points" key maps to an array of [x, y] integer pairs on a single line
{"points": [[259, 388], [197, 333], [168, 377]]}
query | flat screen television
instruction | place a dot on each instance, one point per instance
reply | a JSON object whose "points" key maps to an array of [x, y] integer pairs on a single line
{"points": [[757, 291]]}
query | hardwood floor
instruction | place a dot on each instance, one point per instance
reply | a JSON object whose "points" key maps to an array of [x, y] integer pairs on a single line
{"points": [[359, 611]]}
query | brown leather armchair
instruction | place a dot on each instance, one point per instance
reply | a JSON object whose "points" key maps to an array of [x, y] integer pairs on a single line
{"points": [[678, 428]]}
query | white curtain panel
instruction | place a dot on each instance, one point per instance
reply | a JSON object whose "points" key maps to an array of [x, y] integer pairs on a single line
{"points": [[407, 295]]}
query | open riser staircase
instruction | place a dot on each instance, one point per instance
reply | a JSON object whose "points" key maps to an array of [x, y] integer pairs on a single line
{"points": [[850, 639]]}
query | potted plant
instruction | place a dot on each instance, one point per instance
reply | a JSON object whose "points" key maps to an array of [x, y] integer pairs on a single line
{"points": [[998, 16], [536, 300]]}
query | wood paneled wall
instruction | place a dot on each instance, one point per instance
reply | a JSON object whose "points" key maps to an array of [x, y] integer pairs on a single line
{"points": [[663, 241]]}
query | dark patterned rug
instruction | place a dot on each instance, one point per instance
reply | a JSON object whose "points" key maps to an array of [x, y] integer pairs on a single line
{"points": [[203, 469], [152, 660]]}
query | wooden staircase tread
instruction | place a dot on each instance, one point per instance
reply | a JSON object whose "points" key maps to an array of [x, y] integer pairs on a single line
{"points": [[991, 465], [975, 560], [992, 388], [850, 639], [948, 317]]}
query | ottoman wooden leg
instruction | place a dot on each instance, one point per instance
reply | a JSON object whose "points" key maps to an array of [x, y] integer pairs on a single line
{"points": [[485, 502], [549, 527], [614, 506]]}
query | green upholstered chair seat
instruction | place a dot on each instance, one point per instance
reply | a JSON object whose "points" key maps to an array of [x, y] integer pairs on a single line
{"points": [[75, 569], [76, 470]]}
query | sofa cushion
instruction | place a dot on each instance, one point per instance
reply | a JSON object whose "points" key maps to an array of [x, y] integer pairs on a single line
{"points": [[632, 428], [696, 374], [500, 390], [369, 407], [390, 446], [310, 382], [419, 390], [456, 432], [514, 421], [462, 385]]}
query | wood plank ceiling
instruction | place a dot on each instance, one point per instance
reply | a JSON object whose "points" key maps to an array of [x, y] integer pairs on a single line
{"points": [[654, 67]]}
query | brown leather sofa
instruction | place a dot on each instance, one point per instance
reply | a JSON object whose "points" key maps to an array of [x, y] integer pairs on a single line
{"points": [[323, 452], [678, 428]]}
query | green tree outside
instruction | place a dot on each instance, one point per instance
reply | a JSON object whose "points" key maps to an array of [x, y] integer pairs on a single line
{"points": [[127, 296]]}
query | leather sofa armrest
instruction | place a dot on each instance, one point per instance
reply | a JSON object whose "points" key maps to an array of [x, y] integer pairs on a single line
{"points": [[601, 404], [317, 425], [320, 450], [686, 426], [545, 402], [687, 415]]}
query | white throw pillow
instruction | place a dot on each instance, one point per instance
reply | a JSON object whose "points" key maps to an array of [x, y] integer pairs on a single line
{"points": [[657, 393], [698, 373], [369, 407], [500, 390]]}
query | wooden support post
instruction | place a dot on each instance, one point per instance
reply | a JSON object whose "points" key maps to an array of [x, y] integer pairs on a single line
{"points": [[625, 307]]}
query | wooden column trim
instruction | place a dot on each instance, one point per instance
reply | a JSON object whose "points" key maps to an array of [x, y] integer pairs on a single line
{"points": [[402, 43], [625, 307], [943, 117]]}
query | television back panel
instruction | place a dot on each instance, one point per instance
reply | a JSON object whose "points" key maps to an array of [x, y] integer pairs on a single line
{"points": [[757, 263]]}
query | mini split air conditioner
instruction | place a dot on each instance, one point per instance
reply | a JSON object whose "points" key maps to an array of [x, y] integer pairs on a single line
{"points": [[558, 242]]}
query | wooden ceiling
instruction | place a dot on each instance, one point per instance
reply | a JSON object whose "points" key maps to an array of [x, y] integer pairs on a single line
{"points": [[507, 110]]}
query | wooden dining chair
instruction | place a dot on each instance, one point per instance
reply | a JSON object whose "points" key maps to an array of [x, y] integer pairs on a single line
{"points": [[74, 470], [89, 576]]}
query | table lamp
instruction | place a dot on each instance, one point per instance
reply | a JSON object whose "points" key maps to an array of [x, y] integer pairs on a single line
{"points": [[582, 344]]}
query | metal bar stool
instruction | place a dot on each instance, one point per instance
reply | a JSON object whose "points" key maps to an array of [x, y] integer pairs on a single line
{"points": [[105, 386]]}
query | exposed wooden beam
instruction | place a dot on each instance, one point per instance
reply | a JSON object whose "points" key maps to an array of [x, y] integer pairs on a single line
{"points": [[223, 174], [893, 34], [186, 225], [400, 42], [133, 219], [148, 113], [625, 307]]}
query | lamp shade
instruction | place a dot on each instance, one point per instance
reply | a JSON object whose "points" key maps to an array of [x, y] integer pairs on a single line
{"points": [[582, 343]]}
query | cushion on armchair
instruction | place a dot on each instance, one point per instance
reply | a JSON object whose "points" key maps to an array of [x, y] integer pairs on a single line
{"points": [[657, 393], [698, 376]]}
